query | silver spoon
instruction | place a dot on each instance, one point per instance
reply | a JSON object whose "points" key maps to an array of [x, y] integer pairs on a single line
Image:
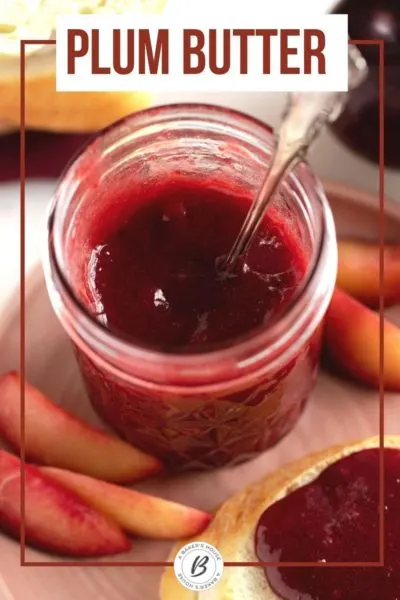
{"points": [[304, 117]]}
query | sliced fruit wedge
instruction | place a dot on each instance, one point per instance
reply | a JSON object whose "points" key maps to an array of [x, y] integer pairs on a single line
{"points": [[359, 271], [57, 438], [56, 519], [139, 514], [352, 342]]}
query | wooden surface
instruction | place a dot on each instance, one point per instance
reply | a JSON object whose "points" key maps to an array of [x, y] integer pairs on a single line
{"points": [[338, 411]]}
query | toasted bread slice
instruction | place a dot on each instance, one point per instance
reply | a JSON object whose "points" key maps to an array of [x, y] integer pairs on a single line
{"points": [[46, 108], [232, 529]]}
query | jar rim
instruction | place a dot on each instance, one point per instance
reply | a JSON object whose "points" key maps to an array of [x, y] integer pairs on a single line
{"points": [[264, 344]]}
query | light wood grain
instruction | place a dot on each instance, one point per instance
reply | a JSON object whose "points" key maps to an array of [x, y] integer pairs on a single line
{"points": [[338, 411]]}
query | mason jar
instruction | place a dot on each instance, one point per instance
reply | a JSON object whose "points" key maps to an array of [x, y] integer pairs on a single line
{"points": [[205, 409]]}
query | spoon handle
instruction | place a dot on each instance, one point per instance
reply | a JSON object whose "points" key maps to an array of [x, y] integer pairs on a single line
{"points": [[304, 117]]}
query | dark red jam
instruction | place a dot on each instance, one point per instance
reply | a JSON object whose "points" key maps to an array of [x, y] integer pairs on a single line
{"points": [[47, 154], [152, 276], [156, 278], [336, 519], [358, 126]]}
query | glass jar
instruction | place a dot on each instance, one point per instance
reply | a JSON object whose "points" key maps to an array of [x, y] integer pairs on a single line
{"points": [[358, 125], [221, 407]]}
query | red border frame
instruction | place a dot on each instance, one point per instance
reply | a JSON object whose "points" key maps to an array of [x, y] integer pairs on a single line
{"points": [[381, 562]]}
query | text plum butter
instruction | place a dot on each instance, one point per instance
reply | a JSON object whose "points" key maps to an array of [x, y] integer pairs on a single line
{"points": [[217, 51]]}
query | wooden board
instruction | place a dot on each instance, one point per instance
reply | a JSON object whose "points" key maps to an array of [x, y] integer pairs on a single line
{"points": [[338, 411]]}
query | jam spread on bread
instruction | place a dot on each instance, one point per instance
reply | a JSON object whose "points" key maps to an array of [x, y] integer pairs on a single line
{"points": [[335, 518]]}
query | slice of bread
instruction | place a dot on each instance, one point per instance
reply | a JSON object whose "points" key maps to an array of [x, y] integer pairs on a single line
{"points": [[47, 109], [232, 529]]}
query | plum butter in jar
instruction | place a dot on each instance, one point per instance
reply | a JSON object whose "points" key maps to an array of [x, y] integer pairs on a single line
{"points": [[196, 367]]}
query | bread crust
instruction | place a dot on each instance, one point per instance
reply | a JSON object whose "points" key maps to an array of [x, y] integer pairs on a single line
{"points": [[47, 109], [233, 526]]}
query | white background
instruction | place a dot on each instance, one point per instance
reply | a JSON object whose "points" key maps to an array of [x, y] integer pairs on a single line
{"points": [[236, 16]]}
